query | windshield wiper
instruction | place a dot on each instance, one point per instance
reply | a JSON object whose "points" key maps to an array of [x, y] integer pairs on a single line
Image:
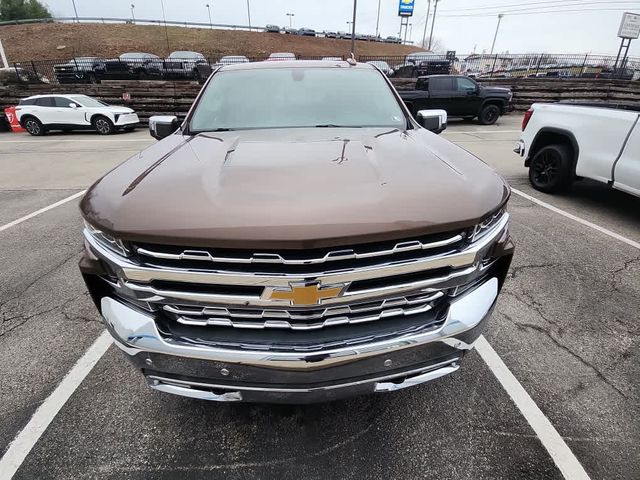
{"points": [[219, 130]]}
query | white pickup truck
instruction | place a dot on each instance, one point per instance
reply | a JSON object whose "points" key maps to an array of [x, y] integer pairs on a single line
{"points": [[563, 142]]}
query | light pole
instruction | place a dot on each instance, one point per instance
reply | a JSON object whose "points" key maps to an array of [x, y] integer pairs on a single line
{"points": [[209, 11], [291, 15], [75, 10], [133, 17], [426, 22], [249, 14], [353, 29], [378, 19], [410, 31], [433, 22], [496, 34]]}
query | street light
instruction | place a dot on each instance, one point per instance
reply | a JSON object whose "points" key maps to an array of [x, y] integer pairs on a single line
{"points": [[133, 17], [209, 11], [410, 32], [378, 19], [433, 22], [426, 22], [496, 34], [249, 14], [353, 29], [75, 10], [291, 15]]}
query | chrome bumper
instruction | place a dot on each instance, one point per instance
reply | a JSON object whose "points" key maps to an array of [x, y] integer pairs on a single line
{"points": [[262, 375]]}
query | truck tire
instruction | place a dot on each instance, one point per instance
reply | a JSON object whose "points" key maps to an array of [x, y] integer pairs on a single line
{"points": [[33, 126], [489, 114], [103, 125], [550, 168]]}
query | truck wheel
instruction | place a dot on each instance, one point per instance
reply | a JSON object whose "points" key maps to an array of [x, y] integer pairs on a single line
{"points": [[550, 168], [103, 125], [33, 126], [489, 114]]}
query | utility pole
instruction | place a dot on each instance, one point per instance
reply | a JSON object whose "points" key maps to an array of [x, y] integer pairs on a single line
{"points": [[209, 11], [133, 17], [75, 10], [496, 34], [291, 15], [433, 22], [426, 22], [410, 32], [166, 30], [249, 14], [378, 19], [353, 29]]}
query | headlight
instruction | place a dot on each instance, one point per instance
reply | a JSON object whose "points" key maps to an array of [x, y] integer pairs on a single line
{"points": [[107, 241], [486, 225]]}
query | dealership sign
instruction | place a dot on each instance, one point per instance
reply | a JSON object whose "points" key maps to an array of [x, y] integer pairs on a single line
{"points": [[406, 8], [629, 26]]}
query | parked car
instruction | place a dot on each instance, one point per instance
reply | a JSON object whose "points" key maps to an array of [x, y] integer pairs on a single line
{"points": [[330, 35], [344, 35], [39, 114], [19, 75], [290, 31], [437, 65], [272, 28], [391, 39], [294, 241], [384, 66], [186, 65], [460, 96], [564, 142], [232, 60], [133, 65], [275, 57], [307, 32], [80, 70]]}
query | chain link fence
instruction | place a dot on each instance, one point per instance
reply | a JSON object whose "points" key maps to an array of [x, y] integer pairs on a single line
{"points": [[197, 67]]}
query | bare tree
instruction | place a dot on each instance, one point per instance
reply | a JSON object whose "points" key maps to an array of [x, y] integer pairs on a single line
{"points": [[436, 45]]}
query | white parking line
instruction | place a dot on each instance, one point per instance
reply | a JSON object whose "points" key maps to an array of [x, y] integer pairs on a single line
{"points": [[575, 218], [44, 415], [449, 131], [42, 210], [53, 140], [559, 451]]}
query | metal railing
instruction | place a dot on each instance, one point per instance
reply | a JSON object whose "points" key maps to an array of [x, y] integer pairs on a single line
{"points": [[150, 67]]}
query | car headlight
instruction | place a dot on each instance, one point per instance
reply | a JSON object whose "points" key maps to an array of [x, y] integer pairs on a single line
{"points": [[107, 241], [487, 224]]}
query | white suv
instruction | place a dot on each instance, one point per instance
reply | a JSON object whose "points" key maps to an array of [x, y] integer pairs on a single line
{"points": [[41, 113]]}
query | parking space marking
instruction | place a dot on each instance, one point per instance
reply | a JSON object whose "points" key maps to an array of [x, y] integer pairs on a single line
{"points": [[141, 139], [42, 210], [449, 131], [575, 218], [44, 415], [559, 451]]}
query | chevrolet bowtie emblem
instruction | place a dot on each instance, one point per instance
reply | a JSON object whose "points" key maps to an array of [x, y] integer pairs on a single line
{"points": [[304, 294]]}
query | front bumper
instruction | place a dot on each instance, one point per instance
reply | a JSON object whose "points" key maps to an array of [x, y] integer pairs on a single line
{"points": [[127, 119], [209, 373]]}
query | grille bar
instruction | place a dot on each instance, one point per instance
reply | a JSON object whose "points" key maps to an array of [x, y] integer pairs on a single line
{"points": [[335, 255]]}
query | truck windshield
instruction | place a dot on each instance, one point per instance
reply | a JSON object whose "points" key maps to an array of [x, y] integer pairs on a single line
{"points": [[297, 97]]}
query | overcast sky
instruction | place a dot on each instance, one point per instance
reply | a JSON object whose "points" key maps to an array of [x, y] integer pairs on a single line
{"points": [[524, 28]]}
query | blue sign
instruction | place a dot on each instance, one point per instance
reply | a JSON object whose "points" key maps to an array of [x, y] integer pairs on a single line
{"points": [[406, 8]]}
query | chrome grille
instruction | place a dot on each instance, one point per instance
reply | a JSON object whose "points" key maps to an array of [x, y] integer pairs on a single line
{"points": [[231, 290], [312, 319]]}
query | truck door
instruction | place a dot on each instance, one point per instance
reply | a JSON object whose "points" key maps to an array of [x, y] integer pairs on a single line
{"points": [[466, 100], [441, 93], [626, 171]]}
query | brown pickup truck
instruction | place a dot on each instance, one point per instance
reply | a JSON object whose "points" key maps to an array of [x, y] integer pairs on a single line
{"points": [[299, 237]]}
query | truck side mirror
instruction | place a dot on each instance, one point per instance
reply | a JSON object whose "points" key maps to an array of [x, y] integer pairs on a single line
{"points": [[161, 126], [433, 120]]}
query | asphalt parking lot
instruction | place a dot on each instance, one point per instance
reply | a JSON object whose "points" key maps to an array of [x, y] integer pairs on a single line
{"points": [[566, 326]]}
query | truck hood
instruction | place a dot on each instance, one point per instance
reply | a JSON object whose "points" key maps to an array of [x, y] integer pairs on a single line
{"points": [[294, 188], [497, 91]]}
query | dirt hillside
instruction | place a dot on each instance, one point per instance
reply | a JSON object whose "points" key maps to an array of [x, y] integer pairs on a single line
{"points": [[45, 41]]}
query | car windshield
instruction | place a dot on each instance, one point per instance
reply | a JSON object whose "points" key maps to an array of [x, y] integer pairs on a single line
{"points": [[297, 97], [86, 101]]}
